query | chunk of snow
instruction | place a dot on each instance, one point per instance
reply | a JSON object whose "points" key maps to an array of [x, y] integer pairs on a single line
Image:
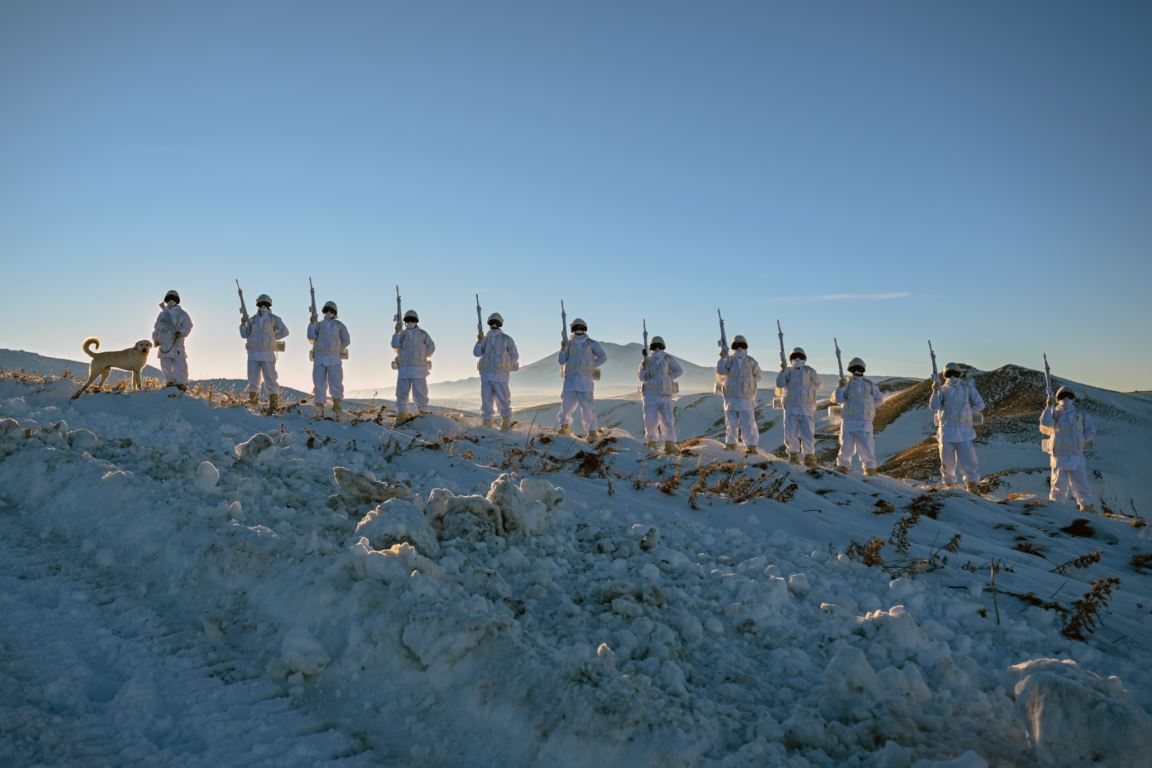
{"points": [[207, 476]]}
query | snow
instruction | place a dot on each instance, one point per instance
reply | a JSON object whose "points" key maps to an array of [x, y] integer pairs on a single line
{"points": [[194, 585]]}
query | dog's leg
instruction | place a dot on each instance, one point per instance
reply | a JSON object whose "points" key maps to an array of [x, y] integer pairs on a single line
{"points": [[136, 379]]}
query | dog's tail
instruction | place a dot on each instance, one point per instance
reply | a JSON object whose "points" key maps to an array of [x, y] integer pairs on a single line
{"points": [[91, 341]]}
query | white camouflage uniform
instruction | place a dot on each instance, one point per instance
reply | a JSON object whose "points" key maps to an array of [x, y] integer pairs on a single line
{"points": [[172, 326], [742, 376], [954, 404], [579, 359], [262, 331], [329, 339], [657, 374], [1070, 431], [414, 348], [498, 358], [860, 398]]}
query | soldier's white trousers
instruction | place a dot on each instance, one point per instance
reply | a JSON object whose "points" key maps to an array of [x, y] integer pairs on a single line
{"points": [[742, 423], [417, 388], [327, 377], [659, 421], [799, 433], [495, 395], [265, 369], [175, 368], [585, 401], [962, 454], [860, 443], [1076, 478]]}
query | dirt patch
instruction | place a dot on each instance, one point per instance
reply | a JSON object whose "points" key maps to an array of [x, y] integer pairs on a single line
{"points": [[1080, 527]]}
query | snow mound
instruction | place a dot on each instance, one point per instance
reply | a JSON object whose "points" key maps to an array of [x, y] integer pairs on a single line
{"points": [[397, 521], [258, 449], [1076, 717], [363, 487], [207, 476]]}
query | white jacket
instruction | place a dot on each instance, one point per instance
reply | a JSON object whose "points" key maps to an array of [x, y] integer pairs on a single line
{"points": [[172, 326], [954, 404], [262, 331], [498, 356], [799, 384], [578, 362], [414, 349], [860, 398], [658, 373], [329, 340], [741, 375], [1070, 431]]}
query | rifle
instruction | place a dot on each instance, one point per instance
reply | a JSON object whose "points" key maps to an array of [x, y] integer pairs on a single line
{"points": [[644, 351], [935, 370], [723, 342], [839, 364], [1047, 378], [780, 335], [836, 411], [399, 314], [312, 308], [563, 324], [479, 325], [243, 306]]}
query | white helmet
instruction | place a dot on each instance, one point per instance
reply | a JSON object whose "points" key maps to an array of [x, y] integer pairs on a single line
{"points": [[856, 363], [172, 294], [330, 305], [263, 299], [411, 315], [657, 340], [798, 352], [953, 367], [739, 340], [497, 319], [578, 323]]}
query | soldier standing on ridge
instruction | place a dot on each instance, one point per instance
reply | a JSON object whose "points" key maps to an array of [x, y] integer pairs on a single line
{"points": [[414, 348], [954, 404], [498, 358], [860, 398], [330, 342], [172, 326], [1070, 432], [580, 359], [658, 373], [263, 334], [741, 376], [798, 384]]}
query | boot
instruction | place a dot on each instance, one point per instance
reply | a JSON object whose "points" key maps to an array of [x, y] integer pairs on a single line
{"points": [[488, 423], [506, 424], [670, 447], [869, 471], [1089, 508], [651, 445], [593, 435], [730, 447], [793, 458], [253, 398], [336, 406], [972, 487], [402, 418], [810, 460], [273, 403], [752, 451], [844, 469], [565, 429]]}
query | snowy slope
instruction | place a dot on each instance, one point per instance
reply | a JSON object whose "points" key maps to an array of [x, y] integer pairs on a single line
{"points": [[19, 360], [458, 596]]}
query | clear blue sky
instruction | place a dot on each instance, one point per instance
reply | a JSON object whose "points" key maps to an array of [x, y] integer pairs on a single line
{"points": [[978, 173]]}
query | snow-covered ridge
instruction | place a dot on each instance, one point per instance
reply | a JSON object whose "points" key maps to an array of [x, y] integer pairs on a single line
{"points": [[450, 595]]}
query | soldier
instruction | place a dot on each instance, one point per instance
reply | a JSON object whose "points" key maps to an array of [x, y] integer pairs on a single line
{"points": [[860, 398], [580, 359], [498, 358], [414, 348], [172, 326], [1070, 432], [741, 376], [263, 333], [797, 385], [658, 373], [330, 340], [954, 404]]}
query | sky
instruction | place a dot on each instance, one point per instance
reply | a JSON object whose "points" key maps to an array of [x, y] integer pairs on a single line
{"points": [[974, 173]]}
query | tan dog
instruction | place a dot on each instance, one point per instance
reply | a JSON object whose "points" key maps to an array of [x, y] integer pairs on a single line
{"points": [[132, 359]]}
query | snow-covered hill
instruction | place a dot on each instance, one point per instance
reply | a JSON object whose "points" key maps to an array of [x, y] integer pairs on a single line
{"points": [[192, 585], [19, 360]]}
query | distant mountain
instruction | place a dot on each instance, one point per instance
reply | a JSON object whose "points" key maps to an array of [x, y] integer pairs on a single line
{"points": [[19, 360]]}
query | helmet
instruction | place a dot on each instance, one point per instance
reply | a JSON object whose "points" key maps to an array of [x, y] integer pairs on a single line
{"points": [[263, 299], [798, 352], [330, 305], [496, 319], [1064, 392], [954, 367], [739, 340], [578, 323], [856, 363], [411, 315], [172, 295], [656, 341]]}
